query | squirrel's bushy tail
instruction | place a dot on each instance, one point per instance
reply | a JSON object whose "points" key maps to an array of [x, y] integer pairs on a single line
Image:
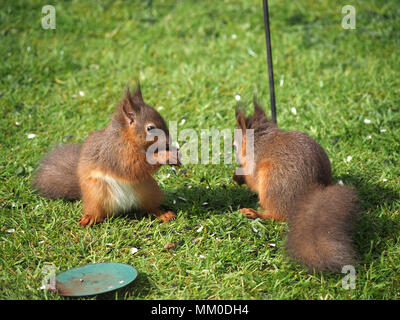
{"points": [[56, 176], [320, 228]]}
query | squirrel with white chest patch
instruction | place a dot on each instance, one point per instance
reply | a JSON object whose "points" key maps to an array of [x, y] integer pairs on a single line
{"points": [[111, 171]]}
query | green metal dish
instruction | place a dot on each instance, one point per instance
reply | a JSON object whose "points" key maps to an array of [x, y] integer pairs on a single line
{"points": [[94, 279]]}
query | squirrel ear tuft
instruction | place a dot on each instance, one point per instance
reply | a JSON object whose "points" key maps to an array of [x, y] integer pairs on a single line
{"points": [[258, 111], [129, 106], [137, 95], [240, 119]]}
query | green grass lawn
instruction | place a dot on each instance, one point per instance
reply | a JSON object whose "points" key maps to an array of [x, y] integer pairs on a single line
{"points": [[192, 58]]}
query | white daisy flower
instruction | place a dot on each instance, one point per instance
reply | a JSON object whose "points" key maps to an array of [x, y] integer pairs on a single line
{"points": [[251, 52]]}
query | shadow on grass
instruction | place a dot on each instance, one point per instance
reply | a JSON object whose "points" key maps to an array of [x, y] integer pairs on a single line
{"points": [[373, 231], [139, 288], [375, 227], [201, 201]]}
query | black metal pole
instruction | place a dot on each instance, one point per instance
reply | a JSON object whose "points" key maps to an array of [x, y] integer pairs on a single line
{"points": [[269, 60]]}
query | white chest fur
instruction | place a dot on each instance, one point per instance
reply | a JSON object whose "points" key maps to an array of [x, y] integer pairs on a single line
{"points": [[123, 194]]}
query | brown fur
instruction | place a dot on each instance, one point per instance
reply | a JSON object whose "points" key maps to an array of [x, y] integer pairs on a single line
{"points": [[116, 153], [320, 228], [292, 176], [56, 176]]}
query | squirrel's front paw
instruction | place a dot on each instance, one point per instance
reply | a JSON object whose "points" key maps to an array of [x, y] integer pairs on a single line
{"points": [[249, 213], [171, 157], [167, 216]]}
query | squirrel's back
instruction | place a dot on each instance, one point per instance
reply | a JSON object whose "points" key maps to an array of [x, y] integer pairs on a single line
{"points": [[57, 176], [321, 216], [287, 162]]}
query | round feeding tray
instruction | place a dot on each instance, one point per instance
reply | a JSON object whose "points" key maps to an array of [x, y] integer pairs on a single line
{"points": [[94, 279]]}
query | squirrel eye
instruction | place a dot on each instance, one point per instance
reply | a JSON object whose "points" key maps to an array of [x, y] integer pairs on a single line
{"points": [[149, 128]]}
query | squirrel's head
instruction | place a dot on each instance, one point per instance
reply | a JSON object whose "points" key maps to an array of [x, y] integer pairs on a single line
{"points": [[244, 123], [140, 123], [254, 126]]}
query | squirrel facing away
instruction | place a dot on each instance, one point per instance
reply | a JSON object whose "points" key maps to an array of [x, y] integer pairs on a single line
{"points": [[291, 173], [110, 171]]}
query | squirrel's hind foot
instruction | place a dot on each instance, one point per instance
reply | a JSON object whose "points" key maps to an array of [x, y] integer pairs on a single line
{"points": [[88, 220], [253, 214], [166, 216]]}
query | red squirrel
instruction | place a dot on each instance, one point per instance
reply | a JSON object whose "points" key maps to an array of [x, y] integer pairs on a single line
{"points": [[110, 171], [292, 175]]}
